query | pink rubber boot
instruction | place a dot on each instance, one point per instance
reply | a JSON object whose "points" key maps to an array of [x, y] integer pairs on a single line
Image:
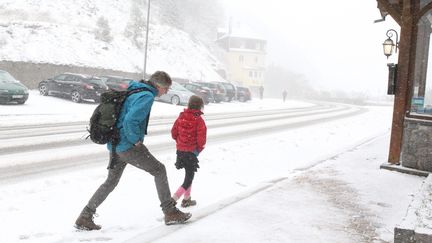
{"points": [[187, 201]]}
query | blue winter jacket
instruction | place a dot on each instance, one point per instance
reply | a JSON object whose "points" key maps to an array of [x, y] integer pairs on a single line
{"points": [[133, 116]]}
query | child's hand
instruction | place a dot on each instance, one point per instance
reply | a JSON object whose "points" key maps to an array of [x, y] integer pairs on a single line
{"points": [[196, 153]]}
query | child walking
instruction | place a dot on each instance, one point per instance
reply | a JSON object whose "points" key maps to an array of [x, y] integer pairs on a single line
{"points": [[190, 132]]}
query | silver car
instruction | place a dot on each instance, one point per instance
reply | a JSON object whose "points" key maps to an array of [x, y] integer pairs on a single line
{"points": [[176, 95]]}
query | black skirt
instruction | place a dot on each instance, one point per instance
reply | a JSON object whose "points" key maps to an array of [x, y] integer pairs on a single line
{"points": [[187, 160]]}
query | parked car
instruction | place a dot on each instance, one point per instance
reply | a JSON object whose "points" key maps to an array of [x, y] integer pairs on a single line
{"points": [[243, 94], [218, 90], [78, 87], [12, 90], [205, 93], [176, 95], [230, 91], [115, 82]]}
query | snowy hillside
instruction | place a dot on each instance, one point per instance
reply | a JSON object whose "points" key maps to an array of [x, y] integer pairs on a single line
{"points": [[63, 32]]}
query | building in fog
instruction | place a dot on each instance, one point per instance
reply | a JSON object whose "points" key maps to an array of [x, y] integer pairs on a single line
{"points": [[244, 56]]}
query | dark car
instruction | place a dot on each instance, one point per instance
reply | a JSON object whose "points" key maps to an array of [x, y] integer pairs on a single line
{"points": [[243, 94], [115, 82], [12, 90], [218, 90], [78, 87], [230, 91], [203, 92]]}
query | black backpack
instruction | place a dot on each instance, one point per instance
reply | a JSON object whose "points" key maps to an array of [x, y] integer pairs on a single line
{"points": [[103, 121], [102, 127]]}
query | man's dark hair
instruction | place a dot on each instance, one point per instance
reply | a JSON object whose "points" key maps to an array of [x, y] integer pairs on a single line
{"points": [[161, 79], [195, 103]]}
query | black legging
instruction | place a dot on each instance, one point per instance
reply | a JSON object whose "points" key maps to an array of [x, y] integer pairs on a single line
{"points": [[189, 176]]}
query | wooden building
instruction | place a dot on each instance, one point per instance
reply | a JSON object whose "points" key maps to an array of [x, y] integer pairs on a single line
{"points": [[411, 133]]}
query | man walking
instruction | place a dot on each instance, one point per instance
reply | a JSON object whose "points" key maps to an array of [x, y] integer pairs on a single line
{"points": [[132, 124], [261, 92]]}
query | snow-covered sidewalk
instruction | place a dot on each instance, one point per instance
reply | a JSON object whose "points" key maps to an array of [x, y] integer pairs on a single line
{"points": [[346, 198]]}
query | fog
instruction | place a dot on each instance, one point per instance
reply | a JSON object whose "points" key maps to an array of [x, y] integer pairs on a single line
{"points": [[332, 45]]}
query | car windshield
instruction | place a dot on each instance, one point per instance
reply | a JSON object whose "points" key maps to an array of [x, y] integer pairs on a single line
{"points": [[95, 81], [228, 86], [116, 80], [210, 85], [5, 77]]}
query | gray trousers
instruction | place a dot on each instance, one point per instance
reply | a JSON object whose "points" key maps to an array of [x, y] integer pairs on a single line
{"points": [[140, 157]]}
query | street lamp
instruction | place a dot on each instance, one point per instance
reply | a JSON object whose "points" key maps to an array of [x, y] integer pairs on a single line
{"points": [[146, 43], [389, 45]]}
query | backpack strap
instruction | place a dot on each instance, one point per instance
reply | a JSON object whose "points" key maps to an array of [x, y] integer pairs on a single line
{"points": [[137, 90]]}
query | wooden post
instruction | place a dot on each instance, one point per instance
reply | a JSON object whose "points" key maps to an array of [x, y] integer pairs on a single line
{"points": [[405, 65]]}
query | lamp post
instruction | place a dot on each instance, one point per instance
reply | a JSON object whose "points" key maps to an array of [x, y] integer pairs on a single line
{"points": [[146, 43], [389, 45]]}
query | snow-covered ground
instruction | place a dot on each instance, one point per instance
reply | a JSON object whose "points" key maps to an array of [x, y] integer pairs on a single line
{"points": [[319, 183], [66, 29]]}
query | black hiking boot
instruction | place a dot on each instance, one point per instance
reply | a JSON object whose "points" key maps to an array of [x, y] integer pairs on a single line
{"points": [[188, 202], [85, 220], [175, 216]]}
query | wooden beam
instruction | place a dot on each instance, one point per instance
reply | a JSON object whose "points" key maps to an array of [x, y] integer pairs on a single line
{"points": [[395, 13], [423, 11]]}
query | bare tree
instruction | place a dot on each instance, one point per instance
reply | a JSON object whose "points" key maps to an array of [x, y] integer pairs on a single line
{"points": [[103, 30], [199, 18], [137, 24]]}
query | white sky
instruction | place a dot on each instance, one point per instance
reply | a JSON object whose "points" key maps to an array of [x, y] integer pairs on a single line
{"points": [[295, 185], [334, 43]]}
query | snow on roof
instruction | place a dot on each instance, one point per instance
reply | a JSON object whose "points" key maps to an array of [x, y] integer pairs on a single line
{"points": [[241, 32]]}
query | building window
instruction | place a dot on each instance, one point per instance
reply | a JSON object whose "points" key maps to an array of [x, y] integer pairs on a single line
{"points": [[421, 96], [241, 58]]}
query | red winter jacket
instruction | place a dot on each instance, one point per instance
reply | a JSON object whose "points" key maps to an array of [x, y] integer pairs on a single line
{"points": [[189, 131]]}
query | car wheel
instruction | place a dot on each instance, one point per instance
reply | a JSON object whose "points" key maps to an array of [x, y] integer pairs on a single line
{"points": [[76, 97], [242, 99], [43, 90], [21, 102], [175, 100]]}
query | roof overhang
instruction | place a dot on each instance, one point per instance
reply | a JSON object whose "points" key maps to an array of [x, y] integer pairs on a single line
{"points": [[391, 7]]}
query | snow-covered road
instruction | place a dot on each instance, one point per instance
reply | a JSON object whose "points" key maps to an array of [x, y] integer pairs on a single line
{"points": [[36, 148]]}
